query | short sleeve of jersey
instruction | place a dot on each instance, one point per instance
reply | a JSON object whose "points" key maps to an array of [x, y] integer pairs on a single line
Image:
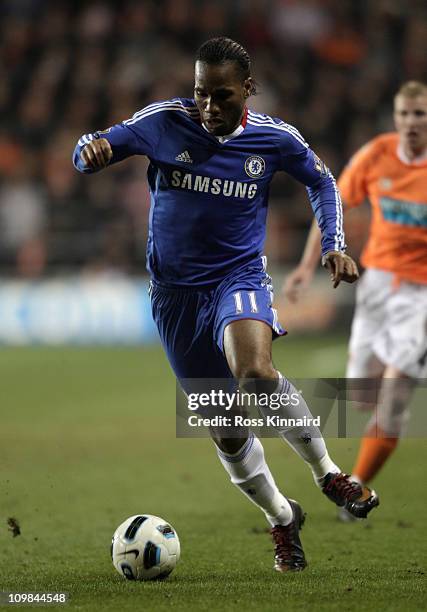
{"points": [[352, 182]]}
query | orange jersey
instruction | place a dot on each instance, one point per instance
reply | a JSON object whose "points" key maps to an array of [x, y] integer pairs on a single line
{"points": [[397, 192]]}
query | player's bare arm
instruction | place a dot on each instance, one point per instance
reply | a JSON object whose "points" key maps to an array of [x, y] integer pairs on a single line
{"points": [[300, 278], [97, 154]]}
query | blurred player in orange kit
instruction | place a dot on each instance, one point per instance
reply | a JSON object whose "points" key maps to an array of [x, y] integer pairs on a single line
{"points": [[389, 330]]}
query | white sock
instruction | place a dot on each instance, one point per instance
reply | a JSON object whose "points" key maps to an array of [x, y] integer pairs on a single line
{"points": [[307, 441], [250, 473]]}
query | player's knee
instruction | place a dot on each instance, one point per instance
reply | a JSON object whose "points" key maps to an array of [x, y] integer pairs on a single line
{"points": [[256, 367], [363, 363], [364, 371], [392, 413], [363, 392]]}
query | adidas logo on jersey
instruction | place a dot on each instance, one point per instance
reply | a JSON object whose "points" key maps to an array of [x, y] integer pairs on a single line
{"points": [[184, 157]]}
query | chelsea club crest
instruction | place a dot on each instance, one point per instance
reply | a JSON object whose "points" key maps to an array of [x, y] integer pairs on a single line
{"points": [[255, 166]]}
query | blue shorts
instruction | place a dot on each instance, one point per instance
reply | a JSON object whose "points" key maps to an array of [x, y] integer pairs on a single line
{"points": [[191, 322]]}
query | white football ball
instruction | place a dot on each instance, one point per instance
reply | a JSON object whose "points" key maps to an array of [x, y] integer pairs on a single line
{"points": [[145, 547]]}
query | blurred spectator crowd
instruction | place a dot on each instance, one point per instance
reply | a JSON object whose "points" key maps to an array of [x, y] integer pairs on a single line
{"points": [[330, 67]]}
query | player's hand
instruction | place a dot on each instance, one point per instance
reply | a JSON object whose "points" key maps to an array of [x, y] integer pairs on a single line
{"points": [[341, 266], [296, 283], [97, 154]]}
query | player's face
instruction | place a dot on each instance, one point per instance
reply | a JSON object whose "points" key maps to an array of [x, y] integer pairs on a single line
{"points": [[410, 117], [220, 95]]}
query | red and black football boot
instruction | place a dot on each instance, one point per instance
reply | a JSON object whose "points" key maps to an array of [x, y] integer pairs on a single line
{"points": [[357, 499], [289, 555]]}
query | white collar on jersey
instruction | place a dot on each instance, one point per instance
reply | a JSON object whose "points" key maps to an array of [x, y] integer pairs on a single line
{"points": [[239, 129], [406, 160]]}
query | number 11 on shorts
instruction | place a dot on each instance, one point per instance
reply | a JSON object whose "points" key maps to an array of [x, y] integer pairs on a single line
{"points": [[239, 302]]}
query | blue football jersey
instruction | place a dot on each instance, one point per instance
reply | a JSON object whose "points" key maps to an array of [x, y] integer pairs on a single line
{"points": [[209, 195]]}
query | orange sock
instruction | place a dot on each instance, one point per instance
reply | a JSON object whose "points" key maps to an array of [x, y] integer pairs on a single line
{"points": [[373, 453]]}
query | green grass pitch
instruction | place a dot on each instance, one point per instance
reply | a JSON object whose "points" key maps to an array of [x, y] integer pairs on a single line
{"points": [[87, 438]]}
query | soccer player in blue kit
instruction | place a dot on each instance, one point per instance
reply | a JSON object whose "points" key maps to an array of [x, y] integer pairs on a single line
{"points": [[211, 164]]}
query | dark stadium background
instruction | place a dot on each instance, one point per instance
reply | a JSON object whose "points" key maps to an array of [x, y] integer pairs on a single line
{"points": [[330, 67]]}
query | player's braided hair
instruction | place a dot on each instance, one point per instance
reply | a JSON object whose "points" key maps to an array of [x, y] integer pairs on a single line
{"points": [[222, 49]]}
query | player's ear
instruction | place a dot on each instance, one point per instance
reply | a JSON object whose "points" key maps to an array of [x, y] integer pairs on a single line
{"points": [[248, 87]]}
